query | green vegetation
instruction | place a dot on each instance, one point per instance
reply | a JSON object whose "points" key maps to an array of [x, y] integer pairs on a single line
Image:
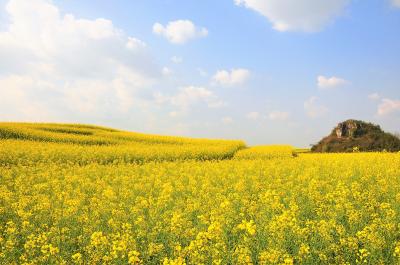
{"points": [[352, 135]]}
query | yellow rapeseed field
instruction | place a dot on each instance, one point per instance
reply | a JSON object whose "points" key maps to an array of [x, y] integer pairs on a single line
{"points": [[265, 152], [76, 194], [24, 143]]}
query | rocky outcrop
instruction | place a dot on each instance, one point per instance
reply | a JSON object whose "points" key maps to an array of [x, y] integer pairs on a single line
{"points": [[347, 128], [353, 135]]}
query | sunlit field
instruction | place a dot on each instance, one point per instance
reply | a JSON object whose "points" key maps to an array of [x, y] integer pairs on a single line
{"points": [[77, 194]]}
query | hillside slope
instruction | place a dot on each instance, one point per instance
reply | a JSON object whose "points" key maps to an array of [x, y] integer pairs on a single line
{"points": [[355, 135], [83, 144]]}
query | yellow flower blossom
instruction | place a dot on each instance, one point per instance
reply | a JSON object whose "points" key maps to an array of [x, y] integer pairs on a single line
{"points": [[248, 226], [77, 194]]}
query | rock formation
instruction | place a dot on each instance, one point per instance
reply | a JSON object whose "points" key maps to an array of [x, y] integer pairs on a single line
{"points": [[347, 128], [352, 135]]}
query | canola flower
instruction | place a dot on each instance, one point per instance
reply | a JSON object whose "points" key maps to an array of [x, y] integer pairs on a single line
{"points": [[266, 152], [32, 152], [309, 209], [30, 143], [94, 135]]}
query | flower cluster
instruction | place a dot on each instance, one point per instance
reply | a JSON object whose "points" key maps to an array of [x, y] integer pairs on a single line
{"points": [[266, 152], [309, 209], [26, 144]]}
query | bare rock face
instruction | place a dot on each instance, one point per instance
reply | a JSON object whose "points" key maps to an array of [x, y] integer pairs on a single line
{"points": [[347, 128], [353, 135]]}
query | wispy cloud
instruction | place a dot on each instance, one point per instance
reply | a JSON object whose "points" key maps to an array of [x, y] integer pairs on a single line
{"points": [[179, 31], [190, 96], [388, 106], [278, 115], [330, 82], [297, 15], [314, 109], [396, 3], [234, 77], [176, 59], [374, 96]]}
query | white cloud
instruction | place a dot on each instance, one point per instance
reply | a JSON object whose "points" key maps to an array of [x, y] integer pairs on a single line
{"points": [[176, 59], [330, 82], [134, 44], [65, 66], [235, 77], [388, 106], [189, 96], [396, 3], [278, 115], [374, 96], [313, 108], [227, 120], [16, 99], [297, 15], [253, 115], [166, 71], [179, 31]]}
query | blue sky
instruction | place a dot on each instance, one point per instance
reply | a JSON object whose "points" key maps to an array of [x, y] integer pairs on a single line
{"points": [[265, 71]]}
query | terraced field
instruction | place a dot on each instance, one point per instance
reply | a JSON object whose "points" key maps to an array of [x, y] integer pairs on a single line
{"points": [[83, 144]]}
